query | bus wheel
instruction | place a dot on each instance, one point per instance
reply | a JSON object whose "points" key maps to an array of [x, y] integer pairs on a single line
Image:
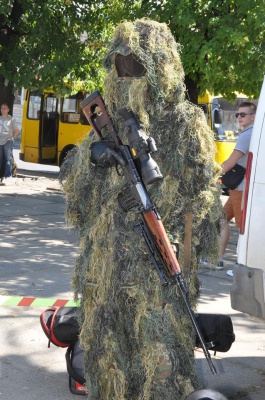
{"points": [[64, 153]]}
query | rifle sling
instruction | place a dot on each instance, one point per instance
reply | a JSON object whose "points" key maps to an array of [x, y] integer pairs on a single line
{"points": [[187, 243]]}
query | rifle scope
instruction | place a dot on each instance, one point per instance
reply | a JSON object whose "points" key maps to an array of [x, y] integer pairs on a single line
{"points": [[141, 146]]}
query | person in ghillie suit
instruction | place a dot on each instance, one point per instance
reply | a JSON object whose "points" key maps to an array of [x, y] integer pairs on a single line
{"points": [[137, 337]]}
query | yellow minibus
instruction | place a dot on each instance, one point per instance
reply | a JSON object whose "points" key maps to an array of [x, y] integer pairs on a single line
{"points": [[51, 126]]}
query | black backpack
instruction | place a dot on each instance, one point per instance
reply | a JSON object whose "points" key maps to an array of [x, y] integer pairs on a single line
{"points": [[75, 366], [60, 325]]}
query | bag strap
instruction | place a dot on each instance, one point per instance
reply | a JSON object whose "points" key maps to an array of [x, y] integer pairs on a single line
{"points": [[51, 336], [47, 330], [73, 374]]}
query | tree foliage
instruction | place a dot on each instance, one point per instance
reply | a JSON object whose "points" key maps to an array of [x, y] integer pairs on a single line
{"points": [[40, 45], [223, 42]]}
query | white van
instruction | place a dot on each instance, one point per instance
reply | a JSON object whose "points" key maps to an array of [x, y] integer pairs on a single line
{"points": [[248, 289]]}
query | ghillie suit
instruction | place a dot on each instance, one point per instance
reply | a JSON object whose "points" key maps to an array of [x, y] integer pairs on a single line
{"points": [[136, 333]]}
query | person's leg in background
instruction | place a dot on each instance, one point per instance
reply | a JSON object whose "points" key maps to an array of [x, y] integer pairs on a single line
{"points": [[8, 149], [2, 166], [225, 231], [232, 209], [237, 201], [224, 239]]}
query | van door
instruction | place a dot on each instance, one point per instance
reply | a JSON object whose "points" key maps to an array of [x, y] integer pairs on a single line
{"points": [[248, 290]]}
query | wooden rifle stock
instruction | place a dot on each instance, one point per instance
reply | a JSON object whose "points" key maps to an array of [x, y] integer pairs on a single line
{"points": [[163, 244]]}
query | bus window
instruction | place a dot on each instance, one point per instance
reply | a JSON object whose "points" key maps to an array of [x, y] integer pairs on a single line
{"points": [[34, 104], [50, 105], [221, 119], [227, 128], [72, 112]]}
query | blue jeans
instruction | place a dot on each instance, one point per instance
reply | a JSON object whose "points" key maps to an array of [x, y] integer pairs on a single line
{"points": [[6, 151]]}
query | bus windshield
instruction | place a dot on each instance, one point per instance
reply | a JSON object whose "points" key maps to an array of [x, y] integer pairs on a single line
{"points": [[225, 125]]}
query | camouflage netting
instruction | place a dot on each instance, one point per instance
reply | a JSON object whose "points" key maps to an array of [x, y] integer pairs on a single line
{"points": [[136, 334]]}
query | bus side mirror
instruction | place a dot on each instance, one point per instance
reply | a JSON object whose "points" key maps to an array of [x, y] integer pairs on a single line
{"points": [[217, 118]]}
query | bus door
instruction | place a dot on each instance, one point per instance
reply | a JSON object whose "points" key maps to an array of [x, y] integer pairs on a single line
{"points": [[73, 125], [48, 128]]}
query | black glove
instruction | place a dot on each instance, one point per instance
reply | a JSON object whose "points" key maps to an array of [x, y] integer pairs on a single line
{"points": [[103, 154]]}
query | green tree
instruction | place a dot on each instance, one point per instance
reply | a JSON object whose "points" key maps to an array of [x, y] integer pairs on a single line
{"points": [[223, 42], [40, 45]]}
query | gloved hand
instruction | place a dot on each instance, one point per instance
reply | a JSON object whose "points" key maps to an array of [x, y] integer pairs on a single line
{"points": [[103, 154]]}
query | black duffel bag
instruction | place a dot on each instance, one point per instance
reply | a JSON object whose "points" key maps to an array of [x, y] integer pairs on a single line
{"points": [[217, 331], [232, 178]]}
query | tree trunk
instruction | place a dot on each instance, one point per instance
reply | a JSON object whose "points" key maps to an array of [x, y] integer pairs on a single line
{"points": [[193, 90], [6, 94], [9, 31]]}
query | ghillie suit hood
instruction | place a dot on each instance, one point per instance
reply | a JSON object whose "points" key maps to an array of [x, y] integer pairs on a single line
{"points": [[136, 333], [162, 85]]}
